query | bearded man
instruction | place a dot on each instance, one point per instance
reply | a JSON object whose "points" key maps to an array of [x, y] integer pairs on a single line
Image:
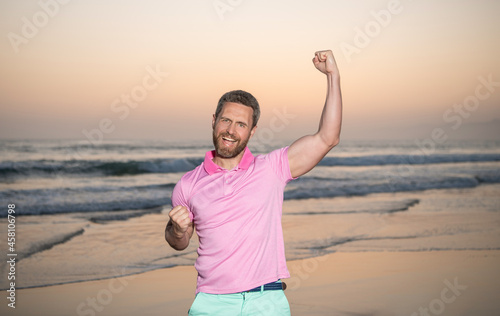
{"points": [[234, 201]]}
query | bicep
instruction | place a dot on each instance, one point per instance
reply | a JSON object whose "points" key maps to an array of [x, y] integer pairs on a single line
{"points": [[305, 153]]}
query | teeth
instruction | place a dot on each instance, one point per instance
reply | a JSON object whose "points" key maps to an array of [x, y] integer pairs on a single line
{"points": [[228, 139]]}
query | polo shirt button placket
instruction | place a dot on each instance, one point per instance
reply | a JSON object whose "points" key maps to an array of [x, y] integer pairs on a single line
{"points": [[228, 176], [227, 189]]}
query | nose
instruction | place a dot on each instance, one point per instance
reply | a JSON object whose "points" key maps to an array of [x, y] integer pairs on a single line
{"points": [[230, 128]]}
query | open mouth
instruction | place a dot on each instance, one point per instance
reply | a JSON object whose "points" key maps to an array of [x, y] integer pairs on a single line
{"points": [[228, 141]]}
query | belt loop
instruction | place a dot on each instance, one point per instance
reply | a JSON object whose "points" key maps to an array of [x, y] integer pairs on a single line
{"points": [[261, 289]]}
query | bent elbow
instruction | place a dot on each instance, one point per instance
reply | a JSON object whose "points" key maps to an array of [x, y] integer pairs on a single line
{"points": [[329, 140], [332, 142], [179, 248]]}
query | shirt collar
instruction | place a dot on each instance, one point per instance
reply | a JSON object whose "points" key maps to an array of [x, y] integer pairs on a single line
{"points": [[211, 167]]}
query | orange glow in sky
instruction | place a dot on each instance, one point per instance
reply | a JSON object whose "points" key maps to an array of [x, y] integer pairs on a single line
{"points": [[66, 67]]}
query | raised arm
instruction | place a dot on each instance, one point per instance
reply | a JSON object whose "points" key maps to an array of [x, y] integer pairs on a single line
{"points": [[306, 152]]}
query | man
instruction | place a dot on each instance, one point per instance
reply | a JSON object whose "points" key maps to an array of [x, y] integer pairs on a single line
{"points": [[234, 200]]}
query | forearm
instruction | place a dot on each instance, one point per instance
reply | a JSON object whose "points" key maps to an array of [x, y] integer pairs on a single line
{"points": [[178, 242], [331, 117], [307, 151]]}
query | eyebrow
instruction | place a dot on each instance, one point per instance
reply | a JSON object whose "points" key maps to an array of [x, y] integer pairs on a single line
{"points": [[237, 122]]}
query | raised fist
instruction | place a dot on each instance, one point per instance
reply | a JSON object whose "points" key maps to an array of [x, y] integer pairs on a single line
{"points": [[325, 62]]}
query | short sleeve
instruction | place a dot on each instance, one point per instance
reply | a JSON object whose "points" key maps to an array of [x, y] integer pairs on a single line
{"points": [[179, 198], [279, 161]]}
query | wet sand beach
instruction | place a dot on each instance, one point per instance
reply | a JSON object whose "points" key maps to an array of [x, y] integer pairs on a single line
{"points": [[362, 283], [407, 253]]}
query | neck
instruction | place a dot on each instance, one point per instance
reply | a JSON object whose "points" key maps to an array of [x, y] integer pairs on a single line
{"points": [[228, 163]]}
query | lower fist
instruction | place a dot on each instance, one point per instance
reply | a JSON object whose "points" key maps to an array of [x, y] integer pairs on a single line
{"points": [[179, 217]]}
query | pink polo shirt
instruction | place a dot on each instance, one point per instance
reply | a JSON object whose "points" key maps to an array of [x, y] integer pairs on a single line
{"points": [[237, 216]]}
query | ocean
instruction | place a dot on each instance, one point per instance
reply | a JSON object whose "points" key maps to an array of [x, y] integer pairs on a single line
{"points": [[91, 211]]}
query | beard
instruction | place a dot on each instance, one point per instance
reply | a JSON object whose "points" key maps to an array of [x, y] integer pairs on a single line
{"points": [[225, 152]]}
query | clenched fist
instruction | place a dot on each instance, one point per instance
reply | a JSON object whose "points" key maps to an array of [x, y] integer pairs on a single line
{"points": [[325, 62], [179, 216], [180, 228]]}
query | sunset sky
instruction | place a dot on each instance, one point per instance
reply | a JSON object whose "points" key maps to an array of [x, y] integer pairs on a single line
{"points": [[155, 69]]}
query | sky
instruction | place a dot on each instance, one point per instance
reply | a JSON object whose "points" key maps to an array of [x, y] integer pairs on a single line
{"points": [[155, 69]]}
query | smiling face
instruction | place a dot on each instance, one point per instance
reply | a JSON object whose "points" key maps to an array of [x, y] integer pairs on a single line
{"points": [[232, 129]]}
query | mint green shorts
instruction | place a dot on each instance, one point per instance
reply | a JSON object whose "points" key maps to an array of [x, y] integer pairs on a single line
{"points": [[264, 303]]}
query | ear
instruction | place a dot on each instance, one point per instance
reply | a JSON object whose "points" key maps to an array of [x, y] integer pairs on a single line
{"points": [[213, 121], [253, 131]]}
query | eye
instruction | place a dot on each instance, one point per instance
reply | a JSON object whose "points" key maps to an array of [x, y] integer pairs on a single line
{"points": [[241, 125]]}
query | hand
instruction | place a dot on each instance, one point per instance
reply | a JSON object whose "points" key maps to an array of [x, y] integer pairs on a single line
{"points": [[179, 217], [325, 62]]}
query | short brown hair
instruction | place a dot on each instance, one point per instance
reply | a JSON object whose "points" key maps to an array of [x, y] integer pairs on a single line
{"points": [[243, 98]]}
